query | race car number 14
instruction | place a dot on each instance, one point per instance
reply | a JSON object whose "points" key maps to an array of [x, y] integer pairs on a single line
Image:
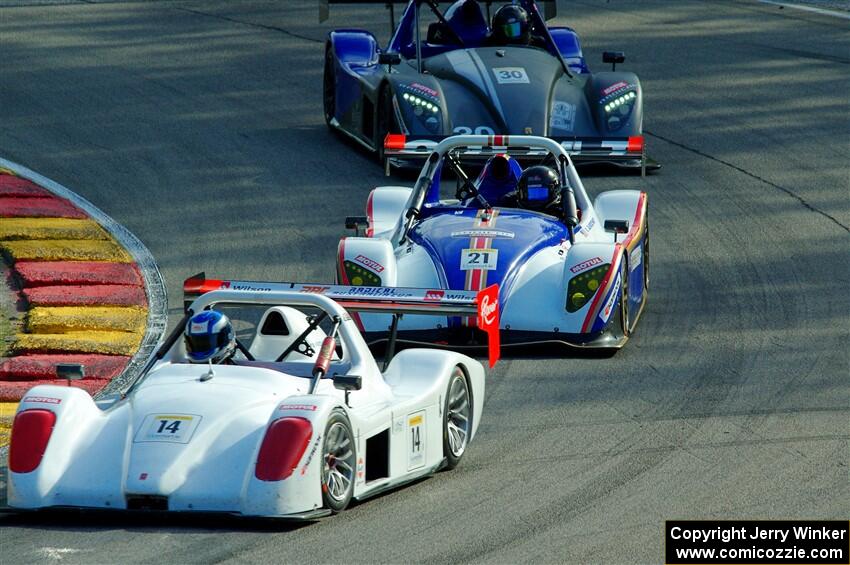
{"points": [[172, 428], [416, 440]]}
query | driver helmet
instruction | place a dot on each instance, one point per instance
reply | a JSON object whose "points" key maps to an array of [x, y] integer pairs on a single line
{"points": [[209, 337], [510, 25], [538, 188]]}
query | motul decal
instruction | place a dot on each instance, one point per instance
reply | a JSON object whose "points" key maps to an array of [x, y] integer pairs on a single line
{"points": [[371, 263], [613, 87], [43, 399], [308, 407], [584, 265]]}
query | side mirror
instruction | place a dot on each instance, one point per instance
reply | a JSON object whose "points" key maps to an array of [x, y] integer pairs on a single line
{"points": [[70, 371], [617, 226], [356, 223], [389, 58], [348, 382], [613, 57]]}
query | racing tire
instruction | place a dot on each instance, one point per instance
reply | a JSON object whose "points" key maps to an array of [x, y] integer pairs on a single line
{"points": [[457, 418], [339, 462], [386, 121], [329, 85]]}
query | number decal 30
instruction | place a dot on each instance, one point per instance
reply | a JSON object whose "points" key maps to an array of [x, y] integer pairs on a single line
{"points": [[478, 130]]}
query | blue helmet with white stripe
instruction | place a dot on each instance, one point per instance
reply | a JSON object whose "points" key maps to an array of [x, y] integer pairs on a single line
{"points": [[209, 336]]}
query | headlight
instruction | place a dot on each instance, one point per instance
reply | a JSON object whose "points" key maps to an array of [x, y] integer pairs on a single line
{"points": [[617, 108], [425, 105], [582, 287], [359, 276]]}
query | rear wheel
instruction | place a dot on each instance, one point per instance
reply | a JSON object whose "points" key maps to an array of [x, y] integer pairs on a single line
{"points": [[457, 418], [338, 462], [329, 85]]}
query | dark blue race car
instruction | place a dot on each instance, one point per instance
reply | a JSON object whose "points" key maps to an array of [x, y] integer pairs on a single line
{"points": [[467, 73]]}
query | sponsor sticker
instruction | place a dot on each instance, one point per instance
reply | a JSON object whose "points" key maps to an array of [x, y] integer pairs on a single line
{"points": [[584, 265], [315, 289], [416, 440], [486, 259], [563, 115], [606, 312], [371, 263], [375, 291], [511, 75], [42, 399], [198, 327], [493, 234], [169, 428], [635, 258], [308, 407], [614, 87], [434, 295], [310, 455], [425, 89]]}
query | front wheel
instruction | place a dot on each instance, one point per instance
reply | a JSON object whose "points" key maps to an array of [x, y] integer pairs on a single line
{"points": [[338, 462], [457, 418], [329, 85]]}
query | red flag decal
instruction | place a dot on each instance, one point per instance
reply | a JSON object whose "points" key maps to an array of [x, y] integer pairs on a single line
{"points": [[488, 320]]}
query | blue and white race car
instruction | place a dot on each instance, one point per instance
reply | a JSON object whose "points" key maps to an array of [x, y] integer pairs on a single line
{"points": [[569, 270]]}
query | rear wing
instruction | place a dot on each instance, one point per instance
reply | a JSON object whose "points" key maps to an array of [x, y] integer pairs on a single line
{"points": [[550, 7], [579, 148], [484, 304]]}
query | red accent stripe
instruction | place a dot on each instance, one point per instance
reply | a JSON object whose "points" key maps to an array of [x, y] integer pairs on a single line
{"points": [[603, 290], [637, 221], [17, 187], [41, 366], [38, 208], [340, 262], [49, 273], [87, 295], [343, 278], [370, 231]]}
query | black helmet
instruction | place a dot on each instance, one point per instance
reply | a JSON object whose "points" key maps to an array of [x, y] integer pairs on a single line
{"points": [[538, 188], [510, 25]]}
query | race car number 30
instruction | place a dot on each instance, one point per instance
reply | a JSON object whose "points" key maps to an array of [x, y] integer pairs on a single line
{"points": [[510, 75], [172, 428]]}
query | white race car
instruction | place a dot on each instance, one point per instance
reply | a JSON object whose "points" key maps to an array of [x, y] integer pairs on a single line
{"points": [[300, 421]]}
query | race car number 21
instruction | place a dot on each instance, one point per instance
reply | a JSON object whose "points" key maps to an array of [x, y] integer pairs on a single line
{"points": [[416, 440], [171, 428], [486, 259]]}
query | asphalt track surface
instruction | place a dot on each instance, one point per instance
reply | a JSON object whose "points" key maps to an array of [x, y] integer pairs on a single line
{"points": [[198, 126]]}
